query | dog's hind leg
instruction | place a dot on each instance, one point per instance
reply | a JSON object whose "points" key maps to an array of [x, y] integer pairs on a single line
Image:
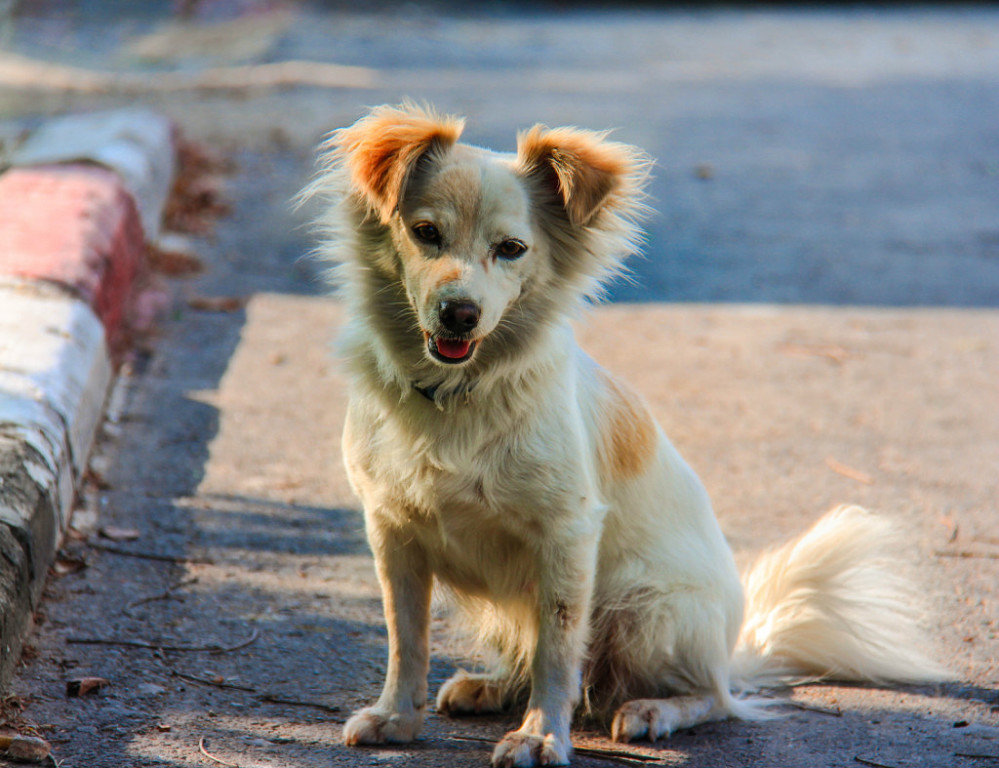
{"points": [[693, 686], [656, 718], [473, 694]]}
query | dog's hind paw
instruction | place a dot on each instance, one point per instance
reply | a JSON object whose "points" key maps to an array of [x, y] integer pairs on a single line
{"points": [[468, 694], [655, 718], [525, 750], [372, 725]]}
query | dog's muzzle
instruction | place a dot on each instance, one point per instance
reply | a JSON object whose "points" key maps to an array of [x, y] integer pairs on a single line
{"points": [[458, 318]]}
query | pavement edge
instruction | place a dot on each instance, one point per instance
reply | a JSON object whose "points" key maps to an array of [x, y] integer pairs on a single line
{"points": [[73, 281]]}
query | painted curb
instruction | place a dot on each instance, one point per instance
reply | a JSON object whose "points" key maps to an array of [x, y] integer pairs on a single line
{"points": [[72, 269], [75, 226], [126, 141]]}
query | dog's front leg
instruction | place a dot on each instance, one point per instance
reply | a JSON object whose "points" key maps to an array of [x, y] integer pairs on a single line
{"points": [[564, 592], [405, 580]]}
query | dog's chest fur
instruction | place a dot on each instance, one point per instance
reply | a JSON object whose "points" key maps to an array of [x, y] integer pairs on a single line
{"points": [[478, 485]]}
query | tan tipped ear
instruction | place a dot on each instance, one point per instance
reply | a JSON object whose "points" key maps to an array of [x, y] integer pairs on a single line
{"points": [[581, 167], [380, 149]]}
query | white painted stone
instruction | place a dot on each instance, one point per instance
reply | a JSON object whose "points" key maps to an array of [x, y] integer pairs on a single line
{"points": [[136, 143], [54, 378]]}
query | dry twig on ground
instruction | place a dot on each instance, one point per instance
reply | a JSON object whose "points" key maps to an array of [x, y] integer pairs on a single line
{"points": [[211, 648]]}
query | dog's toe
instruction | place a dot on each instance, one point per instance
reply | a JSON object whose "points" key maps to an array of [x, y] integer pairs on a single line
{"points": [[630, 722], [371, 726], [655, 718], [467, 694], [525, 750]]}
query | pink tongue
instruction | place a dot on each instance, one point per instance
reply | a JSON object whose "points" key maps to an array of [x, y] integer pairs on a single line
{"points": [[453, 348]]}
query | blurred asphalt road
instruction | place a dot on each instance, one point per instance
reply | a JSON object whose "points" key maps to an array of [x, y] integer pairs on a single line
{"points": [[806, 156]]}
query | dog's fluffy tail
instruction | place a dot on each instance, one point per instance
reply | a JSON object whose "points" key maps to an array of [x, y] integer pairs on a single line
{"points": [[832, 604]]}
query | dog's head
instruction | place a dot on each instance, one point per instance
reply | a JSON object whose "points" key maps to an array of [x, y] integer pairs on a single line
{"points": [[484, 244]]}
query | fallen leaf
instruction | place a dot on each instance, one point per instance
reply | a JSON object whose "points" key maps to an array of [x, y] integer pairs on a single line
{"points": [[850, 472], [12, 714], [66, 564], [96, 479], [75, 534], [114, 533], [28, 653], [217, 303], [173, 262], [197, 199], [953, 529], [81, 686], [26, 749], [704, 171], [832, 352]]}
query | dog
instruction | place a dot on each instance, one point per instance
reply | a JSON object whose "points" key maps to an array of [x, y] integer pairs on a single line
{"points": [[491, 454]]}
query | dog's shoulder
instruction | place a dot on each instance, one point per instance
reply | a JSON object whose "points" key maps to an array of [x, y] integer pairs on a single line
{"points": [[623, 431]]}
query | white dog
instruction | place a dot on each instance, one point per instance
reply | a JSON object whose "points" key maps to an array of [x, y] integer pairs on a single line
{"points": [[492, 453]]}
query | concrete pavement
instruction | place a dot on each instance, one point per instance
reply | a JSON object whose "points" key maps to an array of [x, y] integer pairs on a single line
{"points": [[226, 465]]}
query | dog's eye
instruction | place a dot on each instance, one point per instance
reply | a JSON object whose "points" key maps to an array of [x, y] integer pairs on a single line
{"points": [[427, 233], [510, 249]]}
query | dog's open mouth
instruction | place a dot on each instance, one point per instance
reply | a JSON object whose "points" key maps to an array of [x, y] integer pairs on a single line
{"points": [[448, 350]]}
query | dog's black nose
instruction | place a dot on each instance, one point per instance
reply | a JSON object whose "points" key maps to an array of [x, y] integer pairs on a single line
{"points": [[459, 317]]}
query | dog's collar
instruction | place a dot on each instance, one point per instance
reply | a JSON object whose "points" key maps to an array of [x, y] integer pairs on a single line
{"points": [[431, 392], [427, 392]]}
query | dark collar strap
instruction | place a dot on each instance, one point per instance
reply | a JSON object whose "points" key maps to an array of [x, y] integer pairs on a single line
{"points": [[427, 392], [431, 392]]}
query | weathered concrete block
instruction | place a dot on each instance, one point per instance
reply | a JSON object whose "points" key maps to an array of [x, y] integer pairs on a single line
{"points": [[135, 143], [75, 226]]}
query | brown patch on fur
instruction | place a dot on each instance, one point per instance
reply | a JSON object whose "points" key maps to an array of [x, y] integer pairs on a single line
{"points": [[381, 148], [450, 275], [628, 432], [583, 167]]}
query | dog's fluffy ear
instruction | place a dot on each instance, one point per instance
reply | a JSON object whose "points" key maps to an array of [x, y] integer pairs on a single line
{"points": [[381, 149], [581, 168]]}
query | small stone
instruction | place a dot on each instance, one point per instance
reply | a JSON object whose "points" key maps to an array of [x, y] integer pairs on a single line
{"points": [[704, 172], [28, 749], [81, 686]]}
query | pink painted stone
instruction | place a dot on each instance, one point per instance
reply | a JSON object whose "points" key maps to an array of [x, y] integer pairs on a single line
{"points": [[77, 226]]}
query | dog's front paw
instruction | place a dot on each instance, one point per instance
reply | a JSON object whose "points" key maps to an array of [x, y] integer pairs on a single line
{"points": [[467, 694], [524, 750], [373, 725]]}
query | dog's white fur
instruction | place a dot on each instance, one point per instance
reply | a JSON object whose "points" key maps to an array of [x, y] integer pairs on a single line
{"points": [[535, 486]]}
